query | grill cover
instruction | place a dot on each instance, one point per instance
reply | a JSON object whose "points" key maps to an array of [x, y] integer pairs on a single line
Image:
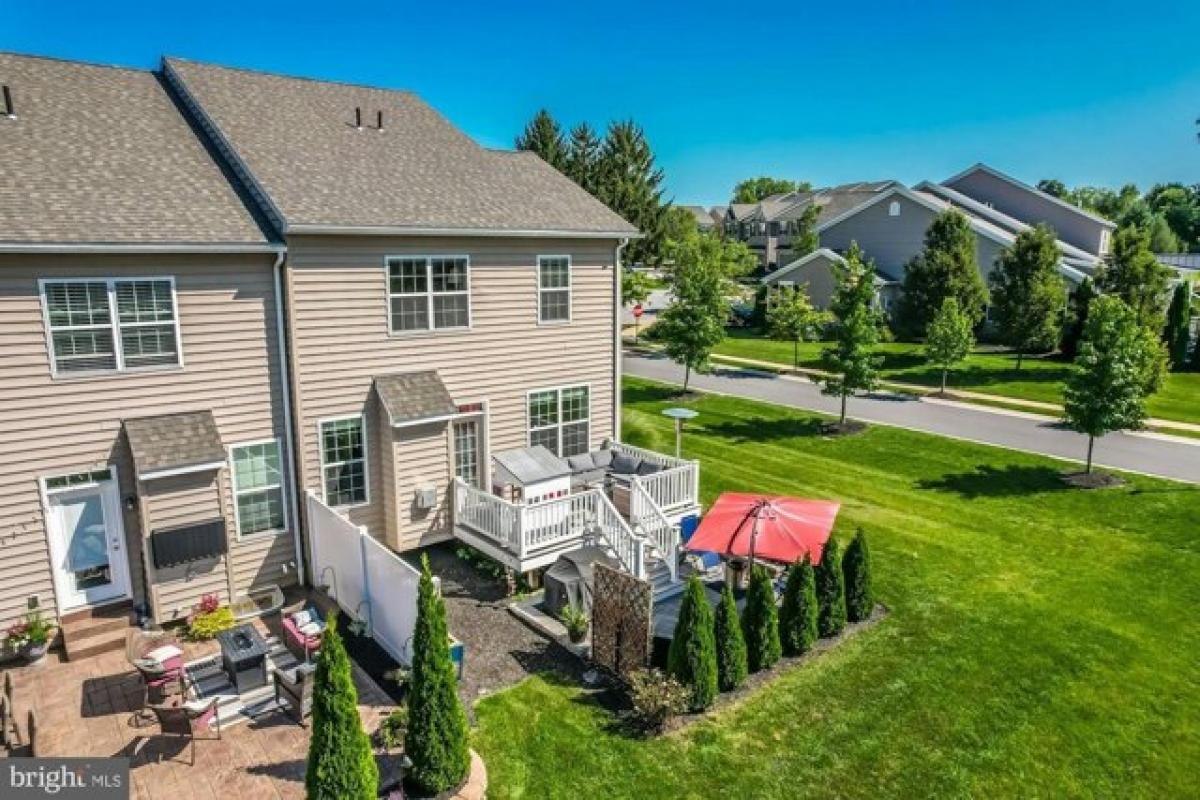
{"points": [[569, 580]]}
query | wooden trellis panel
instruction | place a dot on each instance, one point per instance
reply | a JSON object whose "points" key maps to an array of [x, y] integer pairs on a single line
{"points": [[622, 608]]}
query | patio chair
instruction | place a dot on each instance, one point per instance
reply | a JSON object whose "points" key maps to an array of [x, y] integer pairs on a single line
{"points": [[302, 643], [158, 660], [10, 729], [184, 721], [294, 691], [34, 750]]}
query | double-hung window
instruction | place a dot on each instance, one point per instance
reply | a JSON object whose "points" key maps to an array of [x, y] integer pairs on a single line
{"points": [[428, 293], [258, 488], [559, 420], [344, 461], [554, 288], [111, 325]]}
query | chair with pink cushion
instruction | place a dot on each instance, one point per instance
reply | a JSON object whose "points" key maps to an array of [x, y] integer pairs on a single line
{"points": [[303, 643], [158, 659], [185, 721]]}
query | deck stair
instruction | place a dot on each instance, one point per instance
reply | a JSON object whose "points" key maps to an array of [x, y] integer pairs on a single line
{"points": [[93, 631]]}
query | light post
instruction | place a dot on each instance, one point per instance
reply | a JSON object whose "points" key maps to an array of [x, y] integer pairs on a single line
{"points": [[679, 415]]}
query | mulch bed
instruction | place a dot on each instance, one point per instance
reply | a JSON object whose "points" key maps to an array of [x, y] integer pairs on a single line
{"points": [[848, 428], [374, 660], [1092, 480]]}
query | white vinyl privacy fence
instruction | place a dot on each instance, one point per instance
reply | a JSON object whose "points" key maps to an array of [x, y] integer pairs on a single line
{"points": [[369, 582]]}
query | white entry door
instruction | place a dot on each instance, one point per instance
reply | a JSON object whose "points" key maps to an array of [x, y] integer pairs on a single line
{"points": [[87, 544]]}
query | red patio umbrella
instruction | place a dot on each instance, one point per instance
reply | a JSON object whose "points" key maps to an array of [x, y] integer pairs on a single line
{"points": [[775, 528]]}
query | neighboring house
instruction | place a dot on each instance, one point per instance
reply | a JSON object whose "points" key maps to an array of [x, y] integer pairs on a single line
{"points": [[817, 272], [201, 265], [144, 401], [704, 218]]}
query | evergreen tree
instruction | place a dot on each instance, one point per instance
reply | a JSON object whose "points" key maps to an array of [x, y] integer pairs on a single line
{"points": [[731, 644], [946, 267], [760, 622], [850, 362], [831, 591], [1134, 275], [856, 569], [1028, 294], [341, 764], [1077, 311], [791, 318], [582, 161], [544, 136], [1106, 390], [1177, 334], [436, 740], [692, 658], [629, 182], [798, 616], [949, 339]]}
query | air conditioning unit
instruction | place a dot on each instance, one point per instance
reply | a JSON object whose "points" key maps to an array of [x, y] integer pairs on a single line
{"points": [[426, 497]]}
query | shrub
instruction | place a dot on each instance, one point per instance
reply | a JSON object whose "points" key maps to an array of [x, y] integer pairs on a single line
{"points": [[655, 698], [798, 617], [390, 733], [576, 621], [437, 731], [33, 631], [760, 622], [831, 591], [731, 644], [207, 624], [692, 659], [340, 761], [856, 569]]}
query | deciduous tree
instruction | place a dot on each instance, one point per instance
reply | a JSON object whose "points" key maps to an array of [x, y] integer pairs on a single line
{"points": [[850, 363], [752, 190], [1134, 275], [792, 318], [1028, 294], [949, 339], [946, 267], [1076, 318]]}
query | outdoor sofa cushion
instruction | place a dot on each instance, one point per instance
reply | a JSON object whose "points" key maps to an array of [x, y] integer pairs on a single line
{"points": [[625, 465], [648, 468], [581, 463], [602, 458]]}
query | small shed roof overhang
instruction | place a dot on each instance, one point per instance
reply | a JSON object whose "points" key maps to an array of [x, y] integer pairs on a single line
{"points": [[415, 398], [174, 444]]}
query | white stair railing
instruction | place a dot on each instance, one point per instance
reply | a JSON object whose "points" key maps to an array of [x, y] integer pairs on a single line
{"points": [[654, 525], [629, 547]]}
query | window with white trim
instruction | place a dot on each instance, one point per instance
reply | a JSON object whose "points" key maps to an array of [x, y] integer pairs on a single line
{"points": [[258, 488], [111, 325], [559, 420], [554, 288], [344, 461], [428, 293]]}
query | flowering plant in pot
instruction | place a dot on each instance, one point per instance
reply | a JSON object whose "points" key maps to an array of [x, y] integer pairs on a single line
{"points": [[31, 636], [576, 621]]}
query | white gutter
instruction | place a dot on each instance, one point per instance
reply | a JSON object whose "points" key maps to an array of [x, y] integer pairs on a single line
{"points": [[171, 472], [165, 247], [286, 394], [394, 230], [618, 276]]}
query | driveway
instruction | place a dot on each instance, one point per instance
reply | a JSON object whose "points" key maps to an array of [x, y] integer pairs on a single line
{"points": [[1146, 453]]}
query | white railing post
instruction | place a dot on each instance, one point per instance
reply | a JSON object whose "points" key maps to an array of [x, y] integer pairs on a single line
{"points": [[363, 535]]}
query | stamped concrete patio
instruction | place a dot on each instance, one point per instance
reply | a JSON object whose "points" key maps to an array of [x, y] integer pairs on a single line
{"points": [[85, 708]]}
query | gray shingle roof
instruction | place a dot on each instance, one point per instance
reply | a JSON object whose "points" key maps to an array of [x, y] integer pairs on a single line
{"points": [[532, 465], [298, 141], [414, 396], [101, 155], [174, 441]]}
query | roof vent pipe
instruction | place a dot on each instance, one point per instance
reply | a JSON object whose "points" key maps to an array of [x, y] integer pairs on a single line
{"points": [[379, 120], [8, 105], [358, 117]]}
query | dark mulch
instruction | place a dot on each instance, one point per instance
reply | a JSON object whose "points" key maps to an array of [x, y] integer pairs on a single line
{"points": [[847, 428], [374, 660], [500, 649], [1092, 480]]}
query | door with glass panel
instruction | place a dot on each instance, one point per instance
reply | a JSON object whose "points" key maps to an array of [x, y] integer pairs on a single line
{"points": [[468, 452], [87, 540]]}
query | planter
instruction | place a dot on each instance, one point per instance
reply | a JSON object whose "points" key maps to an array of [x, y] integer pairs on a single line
{"points": [[33, 653], [577, 635]]}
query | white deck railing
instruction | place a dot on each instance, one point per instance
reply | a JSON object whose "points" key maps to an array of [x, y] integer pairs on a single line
{"points": [[648, 519], [676, 487]]}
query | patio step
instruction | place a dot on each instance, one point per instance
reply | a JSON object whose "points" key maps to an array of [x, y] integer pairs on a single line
{"points": [[95, 631]]}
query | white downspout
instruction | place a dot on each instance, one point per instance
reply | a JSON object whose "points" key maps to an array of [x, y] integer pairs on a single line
{"points": [[618, 276], [286, 394]]}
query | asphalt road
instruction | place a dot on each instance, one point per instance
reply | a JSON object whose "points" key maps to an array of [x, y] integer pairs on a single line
{"points": [[1136, 453]]}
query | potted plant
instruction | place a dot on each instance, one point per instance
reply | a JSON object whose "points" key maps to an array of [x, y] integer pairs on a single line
{"points": [[31, 636], [576, 621]]}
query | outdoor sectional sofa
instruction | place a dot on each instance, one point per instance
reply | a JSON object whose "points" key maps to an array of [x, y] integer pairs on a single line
{"points": [[605, 465]]}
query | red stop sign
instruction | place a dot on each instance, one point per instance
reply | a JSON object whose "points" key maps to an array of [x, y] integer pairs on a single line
{"points": [[637, 310]]}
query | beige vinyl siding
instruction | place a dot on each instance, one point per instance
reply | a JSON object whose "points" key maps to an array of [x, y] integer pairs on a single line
{"points": [[340, 341], [51, 427], [422, 457]]}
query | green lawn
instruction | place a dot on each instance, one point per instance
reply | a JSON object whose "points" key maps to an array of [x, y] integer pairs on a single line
{"points": [[1041, 641], [993, 372]]}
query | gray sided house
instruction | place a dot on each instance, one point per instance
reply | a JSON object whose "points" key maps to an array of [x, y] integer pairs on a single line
{"points": [[144, 397]]}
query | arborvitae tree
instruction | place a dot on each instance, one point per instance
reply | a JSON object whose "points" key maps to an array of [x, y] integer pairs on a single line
{"points": [[792, 318], [949, 339], [945, 268], [582, 160], [850, 363], [692, 658], [1028, 294], [798, 616], [1076, 317], [731, 644], [856, 569], [1134, 275], [760, 622], [544, 136], [629, 182], [341, 763], [436, 740], [831, 591], [1177, 334]]}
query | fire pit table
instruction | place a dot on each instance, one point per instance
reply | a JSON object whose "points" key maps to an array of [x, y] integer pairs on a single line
{"points": [[244, 656]]}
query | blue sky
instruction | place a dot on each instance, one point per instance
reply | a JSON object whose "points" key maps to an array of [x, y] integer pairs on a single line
{"points": [[1089, 92]]}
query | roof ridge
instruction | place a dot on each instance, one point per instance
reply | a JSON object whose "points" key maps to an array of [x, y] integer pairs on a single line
{"points": [[287, 76], [77, 62]]}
